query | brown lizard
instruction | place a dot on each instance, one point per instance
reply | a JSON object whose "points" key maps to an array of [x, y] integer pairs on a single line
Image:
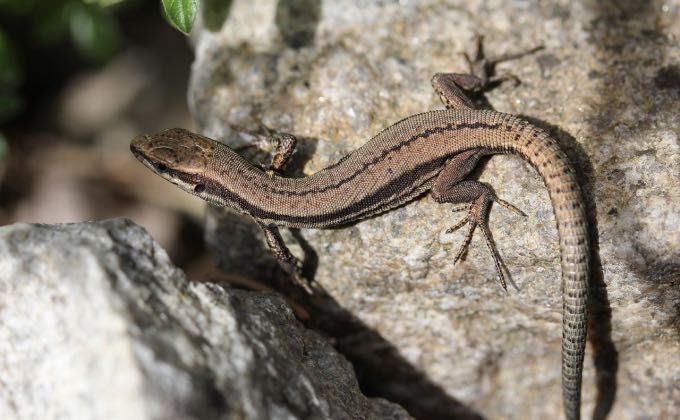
{"points": [[433, 151]]}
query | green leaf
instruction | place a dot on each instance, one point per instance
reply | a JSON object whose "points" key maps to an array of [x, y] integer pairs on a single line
{"points": [[181, 13]]}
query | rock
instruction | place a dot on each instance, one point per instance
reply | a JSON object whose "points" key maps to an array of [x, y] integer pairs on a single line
{"points": [[95, 322], [605, 85]]}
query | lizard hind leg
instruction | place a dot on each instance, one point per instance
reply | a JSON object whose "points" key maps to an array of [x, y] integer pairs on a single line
{"points": [[480, 197], [454, 88]]}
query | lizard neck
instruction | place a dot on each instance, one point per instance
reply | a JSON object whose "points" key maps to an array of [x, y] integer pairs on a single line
{"points": [[231, 180]]}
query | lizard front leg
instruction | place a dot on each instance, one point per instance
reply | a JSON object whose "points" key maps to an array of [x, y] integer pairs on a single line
{"points": [[283, 255], [283, 150], [451, 187], [284, 147]]}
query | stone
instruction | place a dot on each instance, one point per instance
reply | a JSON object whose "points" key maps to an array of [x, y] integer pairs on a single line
{"points": [[440, 338], [96, 322]]}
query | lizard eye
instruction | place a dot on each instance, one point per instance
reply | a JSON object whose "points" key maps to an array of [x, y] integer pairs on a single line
{"points": [[161, 168], [199, 188]]}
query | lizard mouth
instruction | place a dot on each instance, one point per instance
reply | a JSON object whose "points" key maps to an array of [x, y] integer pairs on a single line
{"points": [[136, 149]]}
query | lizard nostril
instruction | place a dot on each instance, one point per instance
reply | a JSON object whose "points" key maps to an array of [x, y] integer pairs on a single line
{"points": [[199, 188], [161, 168]]}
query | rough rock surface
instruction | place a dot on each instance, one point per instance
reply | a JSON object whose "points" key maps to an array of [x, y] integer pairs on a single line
{"points": [[607, 85], [96, 323]]}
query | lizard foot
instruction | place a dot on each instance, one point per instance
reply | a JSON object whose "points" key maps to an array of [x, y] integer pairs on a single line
{"points": [[286, 259], [482, 70], [478, 211], [266, 141], [455, 89]]}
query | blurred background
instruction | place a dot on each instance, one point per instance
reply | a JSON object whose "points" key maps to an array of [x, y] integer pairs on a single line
{"points": [[79, 79]]}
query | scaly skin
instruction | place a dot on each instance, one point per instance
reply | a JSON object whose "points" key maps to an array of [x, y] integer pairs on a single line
{"points": [[430, 151]]}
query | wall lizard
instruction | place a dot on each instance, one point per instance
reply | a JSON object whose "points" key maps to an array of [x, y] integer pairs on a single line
{"points": [[433, 151]]}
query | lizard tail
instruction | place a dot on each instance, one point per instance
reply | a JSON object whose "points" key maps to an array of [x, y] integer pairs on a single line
{"points": [[543, 152]]}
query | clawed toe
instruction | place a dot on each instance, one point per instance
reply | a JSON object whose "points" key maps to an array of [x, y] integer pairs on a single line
{"points": [[498, 262], [509, 206], [466, 242], [458, 225]]}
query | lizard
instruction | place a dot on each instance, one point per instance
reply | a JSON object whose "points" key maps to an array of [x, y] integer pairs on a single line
{"points": [[432, 151]]}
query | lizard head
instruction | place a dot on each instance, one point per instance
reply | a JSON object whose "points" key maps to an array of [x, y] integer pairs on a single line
{"points": [[179, 156]]}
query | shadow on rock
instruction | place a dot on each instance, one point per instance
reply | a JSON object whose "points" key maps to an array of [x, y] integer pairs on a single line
{"points": [[380, 369]]}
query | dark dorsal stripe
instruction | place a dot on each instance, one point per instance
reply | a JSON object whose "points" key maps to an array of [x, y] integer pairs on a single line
{"points": [[319, 189], [354, 211]]}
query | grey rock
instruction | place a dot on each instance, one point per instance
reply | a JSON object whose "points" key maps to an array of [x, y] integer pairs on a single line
{"points": [[607, 85], [96, 323]]}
